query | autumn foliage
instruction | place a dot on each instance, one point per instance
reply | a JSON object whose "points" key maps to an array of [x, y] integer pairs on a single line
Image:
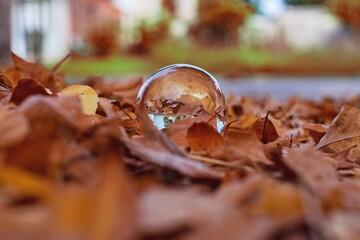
{"points": [[149, 37], [347, 11], [219, 21], [280, 170], [103, 39]]}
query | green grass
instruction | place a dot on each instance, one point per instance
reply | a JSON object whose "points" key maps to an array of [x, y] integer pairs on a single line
{"points": [[231, 61], [104, 66]]}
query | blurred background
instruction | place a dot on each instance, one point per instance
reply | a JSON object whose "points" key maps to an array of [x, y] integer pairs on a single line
{"points": [[231, 38]]}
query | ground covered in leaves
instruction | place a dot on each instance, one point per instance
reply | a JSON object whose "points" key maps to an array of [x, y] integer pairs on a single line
{"points": [[69, 170]]}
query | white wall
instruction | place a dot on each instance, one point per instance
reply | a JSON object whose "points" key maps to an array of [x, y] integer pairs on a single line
{"points": [[186, 13], [58, 34], [308, 27], [301, 28], [56, 27]]}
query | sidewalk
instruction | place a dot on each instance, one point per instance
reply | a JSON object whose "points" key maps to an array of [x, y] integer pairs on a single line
{"points": [[284, 87]]}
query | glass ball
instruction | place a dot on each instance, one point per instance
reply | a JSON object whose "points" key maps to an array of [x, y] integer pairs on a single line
{"points": [[182, 91]]}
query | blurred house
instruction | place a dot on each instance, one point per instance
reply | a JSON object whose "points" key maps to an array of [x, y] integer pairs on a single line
{"points": [[47, 29], [300, 27], [308, 27]]}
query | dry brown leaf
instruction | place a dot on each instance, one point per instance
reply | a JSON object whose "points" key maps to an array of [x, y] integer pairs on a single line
{"points": [[25, 88], [315, 169], [316, 131], [51, 126], [14, 128], [156, 153], [278, 200], [245, 121], [178, 130], [5, 81], [342, 159], [106, 211], [241, 146], [264, 129], [23, 69], [120, 90], [203, 137], [66, 110], [19, 183], [344, 132], [63, 174]]}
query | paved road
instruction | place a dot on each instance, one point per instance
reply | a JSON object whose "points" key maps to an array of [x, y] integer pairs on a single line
{"points": [[284, 87]]}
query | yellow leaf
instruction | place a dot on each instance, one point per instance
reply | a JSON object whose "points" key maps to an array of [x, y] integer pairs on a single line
{"points": [[22, 183], [88, 96], [279, 200]]}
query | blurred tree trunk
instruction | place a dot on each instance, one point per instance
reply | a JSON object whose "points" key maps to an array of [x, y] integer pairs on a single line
{"points": [[5, 35]]}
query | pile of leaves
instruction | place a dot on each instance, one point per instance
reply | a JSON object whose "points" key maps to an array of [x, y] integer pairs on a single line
{"points": [[280, 170]]}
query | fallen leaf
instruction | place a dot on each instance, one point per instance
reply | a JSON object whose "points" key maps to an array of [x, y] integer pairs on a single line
{"points": [[105, 211], [23, 69], [241, 146], [279, 200], [315, 170], [88, 96], [245, 121], [20, 183], [316, 131], [177, 131], [202, 137], [344, 132], [25, 88], [159, 155], [264, 129], [14, 128]]}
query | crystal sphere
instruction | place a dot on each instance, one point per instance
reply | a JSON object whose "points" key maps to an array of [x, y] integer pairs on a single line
{"points": [[182, 91]]}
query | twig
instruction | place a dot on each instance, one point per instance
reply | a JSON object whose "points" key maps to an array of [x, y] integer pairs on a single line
{"points": [[264, 139], [56, 67]]}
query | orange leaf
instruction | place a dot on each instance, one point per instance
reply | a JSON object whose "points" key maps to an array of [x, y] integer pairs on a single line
{"points": [[26, 88], [201, 137]]}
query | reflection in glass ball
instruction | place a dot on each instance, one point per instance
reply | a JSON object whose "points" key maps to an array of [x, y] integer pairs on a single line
{"points": [[182, 91]]}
